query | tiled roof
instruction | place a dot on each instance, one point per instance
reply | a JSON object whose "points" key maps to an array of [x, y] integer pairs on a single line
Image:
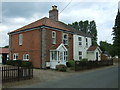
{"points": [[52, 23], [54, 46], [4, 50], [92, 48]]}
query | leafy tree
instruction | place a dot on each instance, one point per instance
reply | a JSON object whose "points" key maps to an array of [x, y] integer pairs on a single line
{"points": [[6, 46], [88, 28], [116, 33], [104, 46], [93, 32]]}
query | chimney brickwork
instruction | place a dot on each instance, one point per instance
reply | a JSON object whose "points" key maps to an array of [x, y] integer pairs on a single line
{"points": [[53, 14]]}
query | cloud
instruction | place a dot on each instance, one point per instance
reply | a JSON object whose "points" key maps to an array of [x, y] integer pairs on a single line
{"points": [[18, 14]]}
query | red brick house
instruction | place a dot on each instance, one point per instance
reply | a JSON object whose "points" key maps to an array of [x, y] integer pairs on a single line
{"points": [[40, 40], [46, 42]]}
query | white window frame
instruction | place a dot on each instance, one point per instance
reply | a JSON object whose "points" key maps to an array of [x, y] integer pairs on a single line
{"points": [[53, 37], [20, 39], [15, 56], [25, 57], [80, 55], [65, 56], [80, 41], [53, 55], [65, 39]]}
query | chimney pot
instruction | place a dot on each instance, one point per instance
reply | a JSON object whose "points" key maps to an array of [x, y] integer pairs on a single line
{"points": [[53, 14]]}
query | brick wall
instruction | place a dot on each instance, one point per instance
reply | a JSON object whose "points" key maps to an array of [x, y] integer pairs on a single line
{"points": [[31, 45]]}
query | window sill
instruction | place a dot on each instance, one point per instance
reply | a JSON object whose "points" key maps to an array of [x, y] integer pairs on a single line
{"points": [[25, 59]]}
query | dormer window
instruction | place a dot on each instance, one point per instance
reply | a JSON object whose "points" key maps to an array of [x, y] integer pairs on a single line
{"points": [[65, 39], [53, 37], [20, 39]]}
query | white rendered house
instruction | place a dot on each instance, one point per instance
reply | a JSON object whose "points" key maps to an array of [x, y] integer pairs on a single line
{"points": [[81, 46]]}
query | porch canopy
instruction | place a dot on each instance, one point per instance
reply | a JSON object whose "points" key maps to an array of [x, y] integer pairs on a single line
{"points": [[58, 53]]}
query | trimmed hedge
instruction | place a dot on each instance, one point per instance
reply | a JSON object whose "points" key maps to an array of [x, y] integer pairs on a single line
{"points": [[84, 60], [70, 63], [19, 63], [61, 67]]}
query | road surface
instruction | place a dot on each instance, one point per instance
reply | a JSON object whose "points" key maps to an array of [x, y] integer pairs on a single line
{"points": [[101, 78]]}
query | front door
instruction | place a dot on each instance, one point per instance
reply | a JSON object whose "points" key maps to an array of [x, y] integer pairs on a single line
{"points": [[4, 58], [97, 56]]}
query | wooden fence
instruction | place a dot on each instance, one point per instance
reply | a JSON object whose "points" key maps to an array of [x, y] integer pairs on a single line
{"points": [[91, 64], [14, 73]]}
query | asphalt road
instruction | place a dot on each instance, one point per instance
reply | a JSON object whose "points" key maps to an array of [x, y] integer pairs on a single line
{"points": [[101, 78]]}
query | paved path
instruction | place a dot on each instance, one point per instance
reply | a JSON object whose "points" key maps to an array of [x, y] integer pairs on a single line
{"points": [[102, 78]]}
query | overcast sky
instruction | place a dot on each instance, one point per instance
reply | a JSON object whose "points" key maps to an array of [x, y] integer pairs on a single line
{"points": [[18, 14]]}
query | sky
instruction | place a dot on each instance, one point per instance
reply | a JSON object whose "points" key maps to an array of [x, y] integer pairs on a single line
{"points": [[14, 15]]}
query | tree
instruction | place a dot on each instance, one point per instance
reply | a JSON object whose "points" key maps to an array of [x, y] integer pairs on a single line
{"points": [[104, 46], [88, 28], [116, 33], [93, 32], [6, 46]]}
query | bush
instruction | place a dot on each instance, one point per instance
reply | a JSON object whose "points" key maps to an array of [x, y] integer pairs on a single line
{"points": [[84, 60], [61, 67], [70, 63], [9, 62], [26, 64], [19, 63]]}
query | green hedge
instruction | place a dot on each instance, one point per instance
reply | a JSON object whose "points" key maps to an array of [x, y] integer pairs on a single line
{"points": [[84, 60], [70, 63], [61, 67], [19, 63]]}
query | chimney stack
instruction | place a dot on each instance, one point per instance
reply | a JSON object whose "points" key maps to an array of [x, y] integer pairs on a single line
{"points": [[53, 14]]}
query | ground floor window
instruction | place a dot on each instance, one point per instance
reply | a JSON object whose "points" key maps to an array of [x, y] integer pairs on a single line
{"points": [[80, 55], [53, 55], [65, 55], [26, 57], [59, 55], [15, 56]]}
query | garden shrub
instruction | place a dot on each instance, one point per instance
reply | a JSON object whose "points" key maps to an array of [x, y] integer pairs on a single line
{"points": [[70, 63], [26, 64], [9, 62], [84, 60], [19, 63], [61, 67]]}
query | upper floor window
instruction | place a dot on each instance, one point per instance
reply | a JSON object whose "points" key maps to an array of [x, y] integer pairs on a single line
{"points": [[20, 39], [53, 37], [26, 57], [65, 39], [15, 56], [80, 55], [86, 42], [80, 41]]}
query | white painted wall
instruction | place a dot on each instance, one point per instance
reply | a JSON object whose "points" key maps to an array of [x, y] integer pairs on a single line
{"points": [[92, 55], [61, 48], [0, 58], [54, 63], [77, 47]]}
